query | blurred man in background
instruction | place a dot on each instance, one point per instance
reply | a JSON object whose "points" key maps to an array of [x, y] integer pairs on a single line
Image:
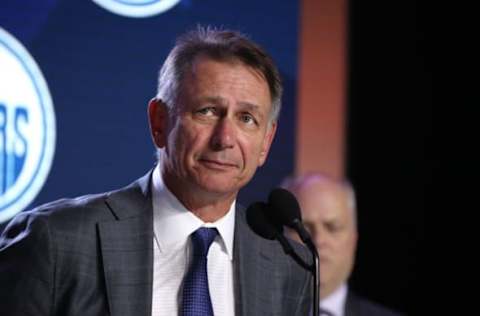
{"points": [[329, 213]]}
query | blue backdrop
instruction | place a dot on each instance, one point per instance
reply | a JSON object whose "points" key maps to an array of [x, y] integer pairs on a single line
{"points": [[101, 69]]}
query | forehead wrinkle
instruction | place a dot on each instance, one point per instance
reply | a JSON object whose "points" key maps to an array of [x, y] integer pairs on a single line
{"points": [[249, 106], [214, 99]]}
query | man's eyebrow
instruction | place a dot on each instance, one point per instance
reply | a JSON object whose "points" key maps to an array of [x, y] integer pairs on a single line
{"points": [[219, 100], [213, 99], [250, 106], [254, 108]]}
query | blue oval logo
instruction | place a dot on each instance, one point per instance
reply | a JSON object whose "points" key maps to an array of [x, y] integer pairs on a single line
{"points": [[27, 127], [137, 8]]}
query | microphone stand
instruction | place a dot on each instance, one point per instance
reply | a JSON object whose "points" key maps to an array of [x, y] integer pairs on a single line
{"points": [[290, 216], [315, 266], [288, 249], [315, 269]]}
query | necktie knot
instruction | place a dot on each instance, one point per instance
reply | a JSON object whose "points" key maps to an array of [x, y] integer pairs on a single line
{"points": [[202, 238]]}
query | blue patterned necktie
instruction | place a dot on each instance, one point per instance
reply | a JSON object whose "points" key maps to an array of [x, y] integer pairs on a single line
{"points": [[196, 296]]}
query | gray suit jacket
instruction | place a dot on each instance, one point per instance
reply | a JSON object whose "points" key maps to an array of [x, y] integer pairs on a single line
{"points": [[93, 255]]}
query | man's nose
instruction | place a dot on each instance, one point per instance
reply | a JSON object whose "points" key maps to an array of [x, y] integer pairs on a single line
{"points": [[319, 238], [224, 134]]}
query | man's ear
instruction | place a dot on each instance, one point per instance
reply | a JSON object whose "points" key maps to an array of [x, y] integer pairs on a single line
{"points": [[267, 142], [158, 119]]}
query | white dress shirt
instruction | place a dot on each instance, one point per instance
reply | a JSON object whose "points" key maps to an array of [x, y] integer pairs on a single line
{"points": [[173, 224], [335, 302]]}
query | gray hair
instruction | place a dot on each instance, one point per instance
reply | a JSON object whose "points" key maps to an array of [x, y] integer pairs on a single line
{"points": [[219, 45]]}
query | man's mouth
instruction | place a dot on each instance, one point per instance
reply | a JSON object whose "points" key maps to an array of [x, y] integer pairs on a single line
{"points": [[217, 164]]}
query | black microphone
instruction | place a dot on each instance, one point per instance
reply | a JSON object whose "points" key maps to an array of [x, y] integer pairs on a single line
{"points": [[256, 218], [283, 206], [259, 222]]}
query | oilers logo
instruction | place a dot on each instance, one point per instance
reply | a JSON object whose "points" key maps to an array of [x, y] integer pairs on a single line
{"points": [[137, 8], [27, 127]]}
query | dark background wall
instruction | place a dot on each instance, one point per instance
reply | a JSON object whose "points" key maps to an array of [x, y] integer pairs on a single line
{"points": [[389, 125]]}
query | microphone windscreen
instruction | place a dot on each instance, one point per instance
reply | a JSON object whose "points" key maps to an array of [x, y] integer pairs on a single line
{"points": [[284, 207], [259, 223]]}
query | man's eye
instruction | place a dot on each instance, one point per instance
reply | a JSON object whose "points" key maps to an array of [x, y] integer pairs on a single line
{"points": [[333, 227], [248, 119], [207, 111]]}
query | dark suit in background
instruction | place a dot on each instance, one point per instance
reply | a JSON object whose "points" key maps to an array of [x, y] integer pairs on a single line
{"points": [[359, 306], [94, 256]]}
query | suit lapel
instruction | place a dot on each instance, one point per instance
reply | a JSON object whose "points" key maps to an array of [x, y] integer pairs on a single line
{"points": [[127, 250], [252, 275]]}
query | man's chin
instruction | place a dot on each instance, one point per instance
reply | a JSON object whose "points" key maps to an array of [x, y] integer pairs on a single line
{"points": [[219, 186]]}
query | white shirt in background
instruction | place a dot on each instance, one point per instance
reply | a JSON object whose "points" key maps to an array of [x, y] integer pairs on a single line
{"points": [[335, 302]]}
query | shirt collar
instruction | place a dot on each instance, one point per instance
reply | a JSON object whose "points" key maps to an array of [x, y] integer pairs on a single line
{"points": [[173, 223], [335, 302]]}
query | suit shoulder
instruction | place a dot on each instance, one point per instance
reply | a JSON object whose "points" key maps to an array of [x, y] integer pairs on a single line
{"points": [[85, 208], [58, 215]]}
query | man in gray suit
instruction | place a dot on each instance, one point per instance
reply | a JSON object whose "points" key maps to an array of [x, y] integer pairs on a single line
{"points": [[127, 252], [329, 213]]}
